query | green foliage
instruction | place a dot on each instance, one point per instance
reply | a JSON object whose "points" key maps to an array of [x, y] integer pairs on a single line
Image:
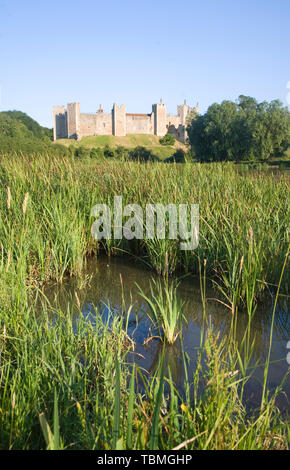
{"points": [[13, 128], [52, 440], [153, 444], [142, 154], [45, 233], [165, 310], [116, 430], [38, 131], [93, 409], [21, 134], [139, 153], [82, 152], [97, 152], [122, 153], [130, 414], [246, 130], [179, 157], [108, 152], [261, 208], [168, 139]]}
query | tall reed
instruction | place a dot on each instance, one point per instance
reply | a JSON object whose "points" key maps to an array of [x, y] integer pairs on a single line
{"points": [[68, 377], [165, 310], [45, 224]]}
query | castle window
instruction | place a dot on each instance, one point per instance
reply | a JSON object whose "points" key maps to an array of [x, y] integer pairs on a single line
{"points": [[104, 124]]}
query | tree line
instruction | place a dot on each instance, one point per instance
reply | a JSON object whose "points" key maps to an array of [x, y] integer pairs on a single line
{"points": [[241, 131]]}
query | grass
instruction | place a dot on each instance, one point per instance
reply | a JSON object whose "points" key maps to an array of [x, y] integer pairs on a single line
{"points": [[72, 379], [165, 310], [130, 141], [244, 214], [64, 380]]}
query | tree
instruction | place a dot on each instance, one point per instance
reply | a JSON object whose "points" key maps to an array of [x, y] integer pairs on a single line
{"points": [[245, 130], [33, 126], [21, 134]]}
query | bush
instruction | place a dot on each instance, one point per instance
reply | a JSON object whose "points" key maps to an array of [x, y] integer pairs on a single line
{"points": [[96, 152], [82, 152], [178, 157], [168, 139], [142, 154], [108, 152], [122, 153]]}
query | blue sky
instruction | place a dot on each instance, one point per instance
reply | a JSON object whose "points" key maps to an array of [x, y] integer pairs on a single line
{"points": [[135, 52]]}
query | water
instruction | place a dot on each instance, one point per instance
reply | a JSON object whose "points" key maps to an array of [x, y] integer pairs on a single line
{"points": [[107, 281]]}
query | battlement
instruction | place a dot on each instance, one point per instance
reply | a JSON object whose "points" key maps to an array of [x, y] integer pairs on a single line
{"points": [[70, 123]]}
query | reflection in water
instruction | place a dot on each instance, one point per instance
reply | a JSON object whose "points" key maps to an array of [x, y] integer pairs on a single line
{"points": [[111, 285]]}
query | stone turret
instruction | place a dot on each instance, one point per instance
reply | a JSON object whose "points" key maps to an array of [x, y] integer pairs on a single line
{"points": [[74, 121], [119, 120], [59, 122], [160, 119], [183, 111]]}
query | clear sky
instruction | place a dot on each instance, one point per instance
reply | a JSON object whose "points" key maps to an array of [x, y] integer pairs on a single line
{"points": [[135, 52]]}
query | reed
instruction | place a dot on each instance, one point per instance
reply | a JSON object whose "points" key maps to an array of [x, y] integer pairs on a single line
{"points": [[165, 310], [45, 222], [68, 377]]}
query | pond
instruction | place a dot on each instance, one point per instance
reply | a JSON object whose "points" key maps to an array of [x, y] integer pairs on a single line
{"points": [[110, 284]]}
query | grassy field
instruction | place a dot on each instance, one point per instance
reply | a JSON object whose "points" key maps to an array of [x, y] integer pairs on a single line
{"points": [[60, 384], [130, 141]]}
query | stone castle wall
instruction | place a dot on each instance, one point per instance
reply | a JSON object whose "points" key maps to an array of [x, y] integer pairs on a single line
{"points": [[96, 124], [72, 124], [139, 124]]}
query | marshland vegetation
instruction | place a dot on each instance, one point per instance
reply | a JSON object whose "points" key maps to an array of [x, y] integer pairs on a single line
{"points": [[60, 375]]}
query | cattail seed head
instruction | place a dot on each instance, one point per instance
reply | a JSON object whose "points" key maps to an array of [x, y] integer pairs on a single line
{"points": [[77, 299], [8, 260], [24, 207], [8, 197], [251, 236], [241, 264]]}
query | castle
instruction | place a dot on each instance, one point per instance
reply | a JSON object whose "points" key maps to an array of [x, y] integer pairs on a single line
{"points": [[70, 123]]}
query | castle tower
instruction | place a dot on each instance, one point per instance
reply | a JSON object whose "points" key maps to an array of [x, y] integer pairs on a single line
{"points": [[119, 120], [73, 121], [59, 122], [159, 111], [182, 111]]}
